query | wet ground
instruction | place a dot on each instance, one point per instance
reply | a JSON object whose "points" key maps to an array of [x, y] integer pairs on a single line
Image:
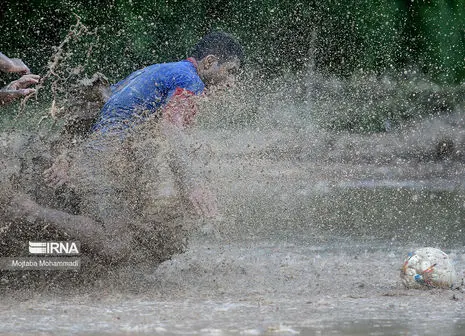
{"points": [[265, 287], [308, 242]]}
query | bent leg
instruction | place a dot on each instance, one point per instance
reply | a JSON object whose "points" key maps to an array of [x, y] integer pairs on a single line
{"points": [[111, 242]]}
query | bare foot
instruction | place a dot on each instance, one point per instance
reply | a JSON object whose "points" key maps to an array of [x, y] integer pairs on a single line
{"points": [[24, 82], [7, 96], [18, 88], [17, 66]]}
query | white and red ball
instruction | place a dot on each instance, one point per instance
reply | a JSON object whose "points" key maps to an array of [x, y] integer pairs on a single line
{"points": [[428, 267]]}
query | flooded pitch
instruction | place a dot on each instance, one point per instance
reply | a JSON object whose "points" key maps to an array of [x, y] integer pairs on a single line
{"points": [[266, 287], [306, 244]]}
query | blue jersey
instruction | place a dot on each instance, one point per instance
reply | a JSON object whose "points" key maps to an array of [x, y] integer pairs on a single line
{"points": [[145, 92]]}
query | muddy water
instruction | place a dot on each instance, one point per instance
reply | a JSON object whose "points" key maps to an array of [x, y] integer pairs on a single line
{"points": [[304, 244]]}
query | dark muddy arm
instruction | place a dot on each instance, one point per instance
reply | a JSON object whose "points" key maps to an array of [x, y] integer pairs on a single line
{"points": [[7, 96], [201, 198], [18, 88], [111, 243], [12, 65], [179, 154]]}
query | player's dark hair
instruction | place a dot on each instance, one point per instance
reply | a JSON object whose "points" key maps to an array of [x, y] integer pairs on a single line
{"points": [[219, 44]]}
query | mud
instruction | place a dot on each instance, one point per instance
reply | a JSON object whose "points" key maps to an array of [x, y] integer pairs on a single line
{"points": [[129, 182], [264, 287], [312, 231]]}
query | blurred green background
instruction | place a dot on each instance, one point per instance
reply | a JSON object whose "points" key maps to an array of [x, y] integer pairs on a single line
{"points": [[335, 38], [342, 36]]}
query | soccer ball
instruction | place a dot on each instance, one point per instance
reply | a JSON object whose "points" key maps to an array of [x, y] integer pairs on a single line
{"points": [[428, 267]]}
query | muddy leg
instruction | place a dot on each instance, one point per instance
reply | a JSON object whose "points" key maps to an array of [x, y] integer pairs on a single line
{"points": [[110, 242]]}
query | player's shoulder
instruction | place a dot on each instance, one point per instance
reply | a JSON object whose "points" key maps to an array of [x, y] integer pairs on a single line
{"points": [[181, 74], [184, 74], [181, 69]]}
